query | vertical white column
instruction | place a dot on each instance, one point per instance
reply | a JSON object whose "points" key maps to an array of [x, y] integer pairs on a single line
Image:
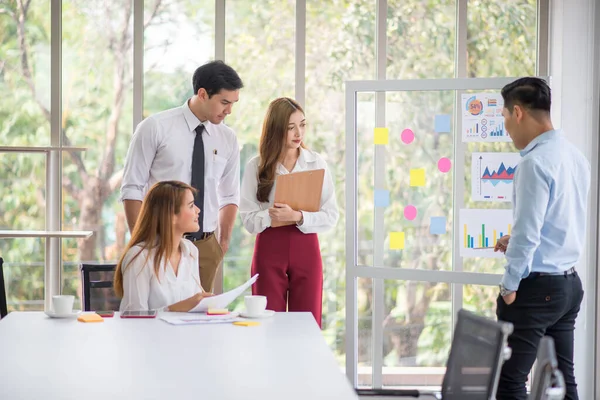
{"points": [[575, 70]]}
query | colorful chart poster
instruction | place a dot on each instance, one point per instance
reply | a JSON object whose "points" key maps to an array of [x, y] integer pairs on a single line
{"points": [[492, 176], [480, 230], [482, 119]]}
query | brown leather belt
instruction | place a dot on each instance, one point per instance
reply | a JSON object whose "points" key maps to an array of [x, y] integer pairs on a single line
{"points": [[198, 236]]}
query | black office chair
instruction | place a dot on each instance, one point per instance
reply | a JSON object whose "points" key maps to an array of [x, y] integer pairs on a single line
{"points": [[548, 382], [98, 293], [3, 303], [479, 348]]}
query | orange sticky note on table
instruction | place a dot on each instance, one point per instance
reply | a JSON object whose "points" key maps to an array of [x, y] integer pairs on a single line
{"points": [[246, 323], [90, 317], [217, 311]]}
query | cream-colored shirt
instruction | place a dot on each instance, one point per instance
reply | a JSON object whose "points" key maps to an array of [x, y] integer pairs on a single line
{"points": [[161, 150], [255, 215], [143, 290]]}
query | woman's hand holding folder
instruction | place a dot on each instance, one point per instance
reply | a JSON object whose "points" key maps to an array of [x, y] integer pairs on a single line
{"points": [[283, 213]]}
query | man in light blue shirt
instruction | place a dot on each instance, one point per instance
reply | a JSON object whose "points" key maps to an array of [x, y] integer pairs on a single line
{"points": [[540, 292]]}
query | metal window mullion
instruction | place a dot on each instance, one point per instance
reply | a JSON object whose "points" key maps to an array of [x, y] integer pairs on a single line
{"points": [[378, 307], [425, 275], [460, 71], [138, 62], [52, 264], [300, 65], [220, 12], [543, 36], [351, 238]]}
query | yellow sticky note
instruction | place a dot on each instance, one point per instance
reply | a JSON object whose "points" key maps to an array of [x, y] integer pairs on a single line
{"points": [[381, 136], [396, 240], [246, 323], [417, 177], [90, 317], [217, 311]]}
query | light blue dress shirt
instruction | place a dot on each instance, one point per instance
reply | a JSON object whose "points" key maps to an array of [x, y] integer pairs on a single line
{"points": [[550, 198]]}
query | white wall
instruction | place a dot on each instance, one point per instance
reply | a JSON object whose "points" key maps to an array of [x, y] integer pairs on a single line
{"points": [[574, 70]]}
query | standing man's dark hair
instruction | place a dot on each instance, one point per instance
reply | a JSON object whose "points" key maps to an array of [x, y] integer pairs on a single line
{"points": [[215, 76], [540, 291], [530, 93], [192, 144]]}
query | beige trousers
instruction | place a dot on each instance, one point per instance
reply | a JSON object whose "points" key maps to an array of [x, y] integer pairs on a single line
{"points": [[210, 255]]}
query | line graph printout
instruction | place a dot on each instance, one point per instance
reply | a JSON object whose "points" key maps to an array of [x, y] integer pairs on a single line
{"points": [[492, 176], [482, 119], [480, 229]]}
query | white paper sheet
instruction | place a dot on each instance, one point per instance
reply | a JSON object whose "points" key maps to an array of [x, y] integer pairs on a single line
{"points": [[223, 300], [200, 319]]}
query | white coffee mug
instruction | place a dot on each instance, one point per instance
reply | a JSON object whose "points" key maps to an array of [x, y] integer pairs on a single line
{"points": [[63, 304], [255, 305]]}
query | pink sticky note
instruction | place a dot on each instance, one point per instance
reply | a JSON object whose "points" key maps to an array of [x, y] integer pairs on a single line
{"points": [[407, 136], [410, 212], [444, 164]]}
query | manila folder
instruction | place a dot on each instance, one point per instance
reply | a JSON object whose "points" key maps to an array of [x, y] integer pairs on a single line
{"points": [[299, 190]]}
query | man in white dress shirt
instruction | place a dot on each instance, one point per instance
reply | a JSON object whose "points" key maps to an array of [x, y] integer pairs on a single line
{"points": [[192, 144]]}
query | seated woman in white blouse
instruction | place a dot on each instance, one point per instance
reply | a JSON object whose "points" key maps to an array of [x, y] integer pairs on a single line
{"points": [[159, 270]]}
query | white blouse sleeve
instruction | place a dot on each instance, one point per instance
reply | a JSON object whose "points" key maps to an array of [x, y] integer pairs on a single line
{"points": [[254, 218], [137, 275], [327, 216]]}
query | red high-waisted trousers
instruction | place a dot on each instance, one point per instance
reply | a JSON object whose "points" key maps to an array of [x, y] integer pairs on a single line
{"points": [[290, 270]]}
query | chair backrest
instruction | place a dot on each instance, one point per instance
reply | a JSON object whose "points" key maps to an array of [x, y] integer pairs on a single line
{"points": [[3, 303], [476, 357], [391, 394], [98, 293], [548, 382]]}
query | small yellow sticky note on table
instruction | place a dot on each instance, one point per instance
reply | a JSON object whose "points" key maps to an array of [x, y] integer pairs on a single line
{"points": [[417, 177], [246, 323], [381, 136], [217, 311], [90, 317], [397, 240]]}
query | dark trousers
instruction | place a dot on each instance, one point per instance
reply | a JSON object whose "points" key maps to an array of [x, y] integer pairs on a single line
{"points": [[290, 270], [545, 305]]}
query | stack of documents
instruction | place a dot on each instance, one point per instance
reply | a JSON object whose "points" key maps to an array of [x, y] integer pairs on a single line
{"points": [[219, 301], [187, 319]]}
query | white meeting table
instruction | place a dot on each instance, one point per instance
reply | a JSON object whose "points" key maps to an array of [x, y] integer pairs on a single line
{"points": [[284, 358]]}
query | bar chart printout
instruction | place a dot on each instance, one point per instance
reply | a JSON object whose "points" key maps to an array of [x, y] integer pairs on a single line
{"points": [[492, 176], [480, 228], [482, 119]]}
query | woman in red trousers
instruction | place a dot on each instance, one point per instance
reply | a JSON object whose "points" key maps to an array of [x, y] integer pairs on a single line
{"points": [[287, 258]]}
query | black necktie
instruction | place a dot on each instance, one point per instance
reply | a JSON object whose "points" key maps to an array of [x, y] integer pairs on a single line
{"points": [[198, 174]]}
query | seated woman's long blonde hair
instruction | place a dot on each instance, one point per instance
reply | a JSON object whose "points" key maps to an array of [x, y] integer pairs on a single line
{"points": [[154, 226]]}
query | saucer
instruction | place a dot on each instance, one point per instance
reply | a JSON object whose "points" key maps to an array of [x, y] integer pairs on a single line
{"points": [[265, 314], [72, 314]]}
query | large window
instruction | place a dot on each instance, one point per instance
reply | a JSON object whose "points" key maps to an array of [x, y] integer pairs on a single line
{"points": [[342, 42], [24, 121], [97, 115]]}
